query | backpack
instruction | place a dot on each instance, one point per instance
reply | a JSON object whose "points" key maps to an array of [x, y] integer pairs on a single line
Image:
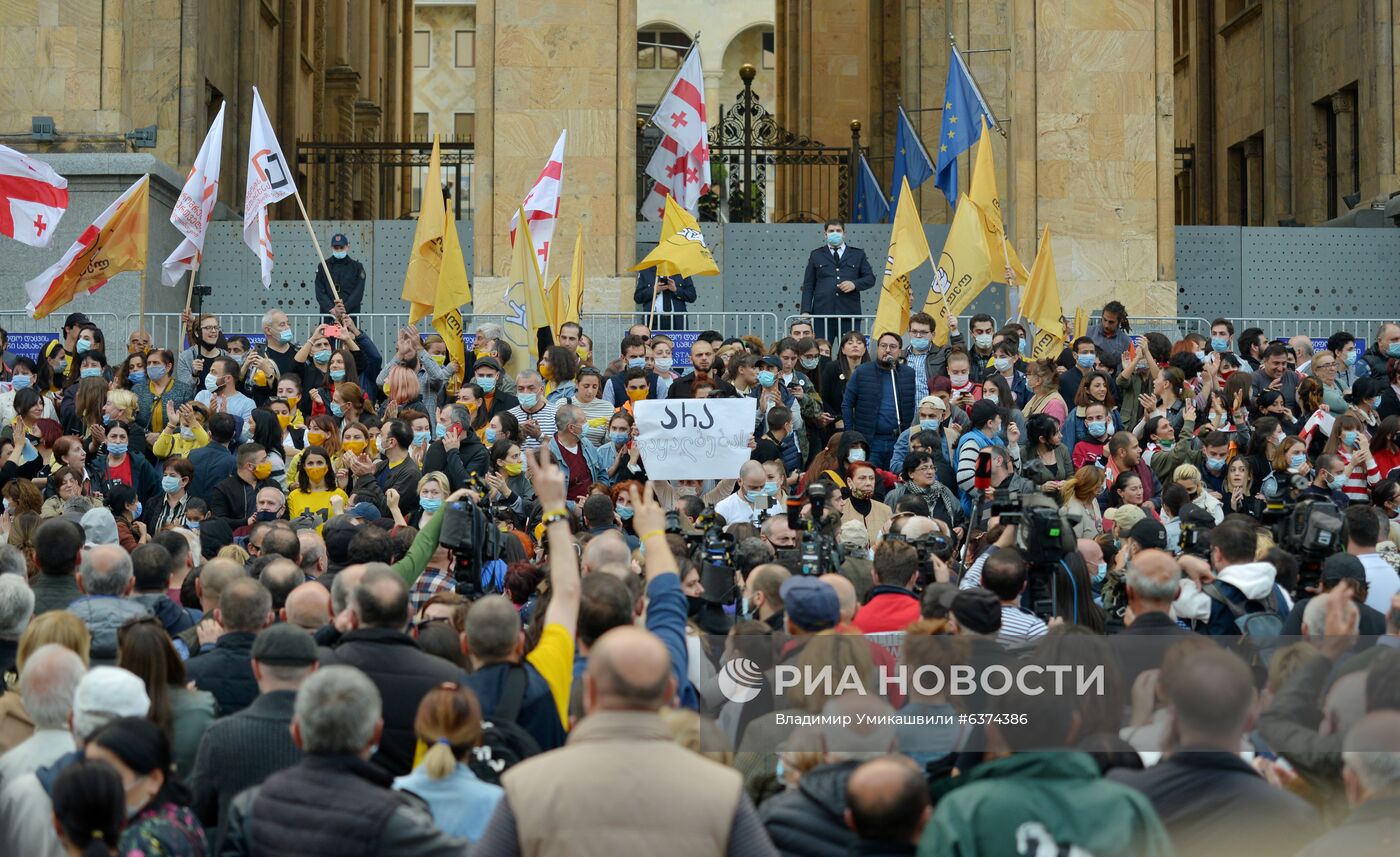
{"points": [[1258, 622], [504, 742]]}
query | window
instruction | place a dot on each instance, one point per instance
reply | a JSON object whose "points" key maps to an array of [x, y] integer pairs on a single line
{"points": [[466, 49], [463, 127], [308, 27], [1233, 8], [770, 53], [661, 49], [1181, 28], [422, 48], [1238, 183], [420, 126]]}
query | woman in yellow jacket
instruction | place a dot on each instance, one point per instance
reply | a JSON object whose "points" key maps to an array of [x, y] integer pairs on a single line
{"points": [[315, 487], [183, 430], [321, 430]]}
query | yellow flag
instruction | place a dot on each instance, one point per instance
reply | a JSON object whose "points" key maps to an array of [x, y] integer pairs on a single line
{"points": [[573, 306], [454, 291], [526, 310], [115, 242], [1040, 304], [681, 252], [420, 282], [1081, 322], [908, 250], [554, 299], [964, 267], [984, 193]]}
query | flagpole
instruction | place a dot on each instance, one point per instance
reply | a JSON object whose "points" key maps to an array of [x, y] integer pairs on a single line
{"points": [[189, 292], [694, 43], [317, 244], [1012, 295], [141, 320]]}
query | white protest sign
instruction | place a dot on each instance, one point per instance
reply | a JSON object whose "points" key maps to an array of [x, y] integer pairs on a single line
{"points": [[695, 438]]}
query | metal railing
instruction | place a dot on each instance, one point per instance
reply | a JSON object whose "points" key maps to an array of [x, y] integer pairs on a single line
{"points": [[607, 329], [28, 335], [1283, 328], [829, 326]]}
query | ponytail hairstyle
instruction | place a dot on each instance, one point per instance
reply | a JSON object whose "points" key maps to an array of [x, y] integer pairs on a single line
{"points": [[1086, 483], [449, 722], [89, 805]]}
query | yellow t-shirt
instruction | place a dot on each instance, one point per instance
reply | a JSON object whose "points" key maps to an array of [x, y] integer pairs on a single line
{"points": [[319, 502], [553, 656]]}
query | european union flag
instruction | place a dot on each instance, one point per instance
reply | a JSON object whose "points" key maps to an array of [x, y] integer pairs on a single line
{"points": [[870, 204], [911, 159], [962, 104]]}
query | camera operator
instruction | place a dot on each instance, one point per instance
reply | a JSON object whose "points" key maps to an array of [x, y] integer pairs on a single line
{"points": [[1327, 481], [1247, 585], [749, 503], [892, 603], [1005, 479], [1335, 569]]}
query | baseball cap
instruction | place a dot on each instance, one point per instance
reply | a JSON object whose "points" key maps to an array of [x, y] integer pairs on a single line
{"points": [[99, 527], [104, 694], [487, 363], [1125, 517], [977, 610], [285, 645], [1341, 566], [365, 510], [770, 360], [1149, 533], [76, 318], [810, 603], [339, 240]]}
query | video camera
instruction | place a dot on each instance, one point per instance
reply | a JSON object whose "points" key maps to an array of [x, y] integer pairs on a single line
{"points": [[817, 551], [712, 549], [470, 534], [1312, 530], [928, 546]]}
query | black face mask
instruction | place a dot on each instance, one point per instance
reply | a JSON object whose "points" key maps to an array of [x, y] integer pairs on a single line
{"points": [[694, 604]]}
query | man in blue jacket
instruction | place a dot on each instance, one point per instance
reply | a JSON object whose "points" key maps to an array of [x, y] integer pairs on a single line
{"points": [[836, 275], [672, 295], [879, 400]]}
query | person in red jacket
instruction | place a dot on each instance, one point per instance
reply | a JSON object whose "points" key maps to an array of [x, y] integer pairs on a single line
{"points": [[891, 604]]}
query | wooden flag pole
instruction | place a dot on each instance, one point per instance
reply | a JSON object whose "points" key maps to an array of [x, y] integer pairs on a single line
{"points": [[1012, 295], [655, 290], [189, 292], [317, 244]]}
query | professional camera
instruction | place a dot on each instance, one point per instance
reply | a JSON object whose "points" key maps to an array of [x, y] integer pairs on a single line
{"points": [[927, 546], [1044, 533], [1196, 524], [1313, 529], [817, 551], [711, 548], [1006, 504], [470, 534]]}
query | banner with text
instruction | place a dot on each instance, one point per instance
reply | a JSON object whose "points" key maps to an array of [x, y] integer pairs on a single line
{"points": [[695, 438]]}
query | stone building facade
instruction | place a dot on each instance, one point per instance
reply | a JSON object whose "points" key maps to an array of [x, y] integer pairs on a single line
{"points": [[1284, 110], [330, 70]]}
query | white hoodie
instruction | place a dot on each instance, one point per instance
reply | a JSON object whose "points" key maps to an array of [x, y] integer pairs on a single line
{"points": [[1253, 579]]}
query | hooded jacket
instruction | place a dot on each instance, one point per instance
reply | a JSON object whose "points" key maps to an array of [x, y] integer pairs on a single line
{"points": [[1248, 584], [103, 615], [172, 616], [809, 821]]}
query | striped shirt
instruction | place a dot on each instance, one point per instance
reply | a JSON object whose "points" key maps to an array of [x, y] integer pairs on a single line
{"points": [[1019, 625], [1359, 481], [544, 417]]}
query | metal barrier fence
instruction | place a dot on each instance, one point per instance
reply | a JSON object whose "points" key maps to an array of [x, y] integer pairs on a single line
{"points": [[1321, 328], [863, 323], [607, 329], [28, 335]]}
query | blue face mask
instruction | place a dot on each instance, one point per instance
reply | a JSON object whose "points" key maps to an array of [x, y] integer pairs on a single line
{"points": [[29, 453], [919, 343], [928, 425], [1219, 345], [810, 362], [322, 356], [211, 382], [490, 435], [1214, 465], [618, 437], [337, 374], [90, 372], [136, 513], [286, 335], [192, 526], [1101, 573], [1297, 459], [1085, 361], [528, 400], [487, 383], [756, 496], [20, 382], [430, 505], [117, 448], [770, 488], [170, 484], [1350, 358], [84, 346], [340, 254], [637, 363], [421, 438], [1392, 350], [1349, 438], [186, 433], [337, 410], [1097, 429], [155, 371], [106, 419], [767, 378], [441, 431], [624, 512], [137, 377], [835, 238], [856, 455]]}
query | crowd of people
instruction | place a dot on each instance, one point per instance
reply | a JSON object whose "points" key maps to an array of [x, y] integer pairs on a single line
{"points": [[238, 614]]}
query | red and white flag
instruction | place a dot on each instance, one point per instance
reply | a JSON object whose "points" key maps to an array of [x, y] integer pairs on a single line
{"points": [[195, 207], [32, 198], [681, 163], [269, 180], [541, 204]]}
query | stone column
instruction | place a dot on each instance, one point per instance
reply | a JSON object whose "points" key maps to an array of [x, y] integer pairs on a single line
{"points": [[1344, 115], [1091, 140], [713, 96], [1254, 182], [542, 67]]}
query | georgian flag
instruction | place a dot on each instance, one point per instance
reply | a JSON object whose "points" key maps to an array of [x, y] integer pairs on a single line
{"points": [[681, 163], [541, 205], [33, 198]]}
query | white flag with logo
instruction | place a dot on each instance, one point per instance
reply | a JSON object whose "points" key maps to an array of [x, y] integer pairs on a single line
{"points": [[195, 207], [269, 180], [541, 205], [33, 198]]}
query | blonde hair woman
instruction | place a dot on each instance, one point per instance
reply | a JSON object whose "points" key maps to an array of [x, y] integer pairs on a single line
{"points": [[1080, 495]]}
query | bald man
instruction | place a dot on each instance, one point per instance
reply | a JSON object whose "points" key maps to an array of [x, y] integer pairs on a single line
{"points": [[1152, 580], [308, 606], [887, 803], [845, 593], [621, 777], [606, 551]]}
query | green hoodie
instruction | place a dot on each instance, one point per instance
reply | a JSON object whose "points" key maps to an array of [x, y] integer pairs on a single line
{"points": [[1038, 803]]}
